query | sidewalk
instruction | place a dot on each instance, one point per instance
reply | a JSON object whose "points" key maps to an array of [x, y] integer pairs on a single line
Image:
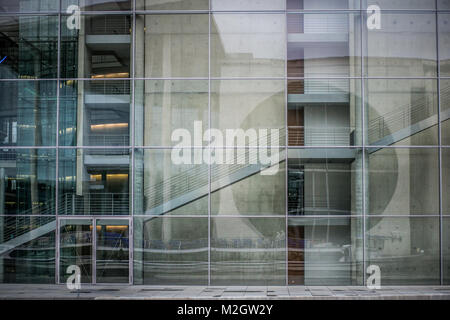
{"points": [[126, 292]]}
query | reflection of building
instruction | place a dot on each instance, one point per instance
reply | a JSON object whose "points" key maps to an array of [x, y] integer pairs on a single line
{"points": [[363, 142]]}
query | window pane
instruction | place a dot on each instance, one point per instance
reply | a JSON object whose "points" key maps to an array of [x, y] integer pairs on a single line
{"points": [[325, 182], [445, 111], [30, 45], [324, 112], [248, 104], [248, 45], [405, 249], [443, 4], [325, 252], [444, 43], [166, 186], [401, 112], [27, 179], [94, 181], [403, 181], [96, 5], [404, 46], [172, 45], [95, 113], [445, 181], [401, 4], [446, 249], [28, 113], [320, 5], [27, 249], [249, 5], [172, 5], [161, 107], [248, 251], [100, 48], [28, 5], [171, 251], [324, 45]]}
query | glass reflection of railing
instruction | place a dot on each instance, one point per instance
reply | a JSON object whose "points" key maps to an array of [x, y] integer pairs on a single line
{"points": [[23, 225], [94, 204], [108, 87], [109, 25], [108, 140], [320, 136]]}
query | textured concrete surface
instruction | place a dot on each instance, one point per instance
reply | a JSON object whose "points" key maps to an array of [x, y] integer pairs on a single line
{"points": [[100, 292]]}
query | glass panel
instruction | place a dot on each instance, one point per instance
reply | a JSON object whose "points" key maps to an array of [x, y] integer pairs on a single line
{"points": [[28, 5], [163, 106], [171, 251], [443, 4], [112, 251], [76, 248], [325, 182], [320, 5], [401, 4], [96, 5], [27, 181], [99, 48], [403, 181], [248, 251], [95, 113], [28, 113], [27, 249], [248, 5], [248, 185], [445, 111], [248, 45], [402, 112], [446, 249], [444, 43], [445, 181], [94, 181], [405, 46], [167, 187], [325, 252], [172, 5], [405, 249], [258, 105], [324, 45], [324, 112], [30, 45], [172, 45]]}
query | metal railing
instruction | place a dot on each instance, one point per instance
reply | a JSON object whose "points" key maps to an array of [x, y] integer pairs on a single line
{"points": [[318, 136], [109, 25], [95, 204], [108, 140], [108, 87]]}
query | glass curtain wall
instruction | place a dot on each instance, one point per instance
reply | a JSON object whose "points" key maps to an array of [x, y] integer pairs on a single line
{"points": [[225, 142]]}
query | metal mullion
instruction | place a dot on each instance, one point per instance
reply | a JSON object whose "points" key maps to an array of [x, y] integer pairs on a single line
{"points": [[286, 108], [210, 148], [94, 250], [363, 140]]}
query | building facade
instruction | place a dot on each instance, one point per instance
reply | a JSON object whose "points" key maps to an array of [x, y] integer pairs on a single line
{"points": [[348, 99]]}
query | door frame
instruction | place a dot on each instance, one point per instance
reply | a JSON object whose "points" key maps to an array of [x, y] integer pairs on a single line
{"points": [[93, 220]]}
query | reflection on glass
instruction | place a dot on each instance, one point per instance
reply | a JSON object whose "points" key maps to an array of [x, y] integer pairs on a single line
{"points": [[248, 104], [95, 113], [163, 187], [323, 45], [405, 249], [403, 181], [324, 251], [405, 46], [99, 49], [172, 45], [402, 112], [248, 5], [28, 113], [443, 4], [94, 181], [28, 5], [445, 111], [248, 45], [171, 250], [320, 5], [172, 5], [96, 5], [30, 45], [445, 181], [27, 249], [446, 249], [76, 248], [325, 181], [27, 181], [401, 5], [162, 106], [112, 254], [248, 251]]}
